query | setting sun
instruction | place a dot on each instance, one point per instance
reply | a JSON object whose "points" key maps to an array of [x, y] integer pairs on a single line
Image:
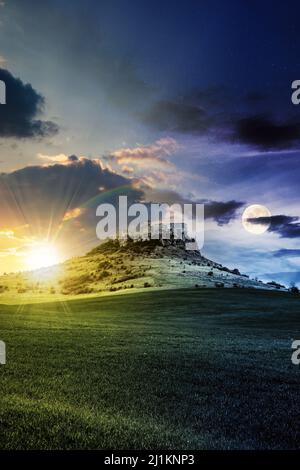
{"points": [[42, 255]]}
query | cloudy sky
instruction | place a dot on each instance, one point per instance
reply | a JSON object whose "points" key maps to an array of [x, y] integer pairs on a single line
{"points": [[162, 101]]}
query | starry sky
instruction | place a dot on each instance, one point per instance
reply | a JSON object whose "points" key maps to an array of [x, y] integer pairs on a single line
{"points": [[163, 101]]}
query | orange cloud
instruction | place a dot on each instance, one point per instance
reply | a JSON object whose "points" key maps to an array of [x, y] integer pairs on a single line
{"points": [[60, 158], [73, 214], [147, 155]]}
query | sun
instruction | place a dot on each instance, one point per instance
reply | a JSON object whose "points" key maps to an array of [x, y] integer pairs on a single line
{"points": [[42, 255]]}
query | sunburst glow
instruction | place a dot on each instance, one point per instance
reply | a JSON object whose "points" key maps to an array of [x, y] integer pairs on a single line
{"points": [[42, 255]]}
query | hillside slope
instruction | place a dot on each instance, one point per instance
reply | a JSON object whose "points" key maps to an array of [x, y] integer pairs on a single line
{"points": [[114, 266]]}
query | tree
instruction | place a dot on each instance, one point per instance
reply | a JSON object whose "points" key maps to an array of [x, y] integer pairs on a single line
{"points": [[293, 288]]}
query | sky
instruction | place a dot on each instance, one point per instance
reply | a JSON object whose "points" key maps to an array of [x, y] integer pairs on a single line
{"points": [[163, 101]]}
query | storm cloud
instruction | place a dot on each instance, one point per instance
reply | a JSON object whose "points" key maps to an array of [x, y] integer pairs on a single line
{"points": [[18, 117], [265, 133], [41, 196], [222, 212], [284, 225]]}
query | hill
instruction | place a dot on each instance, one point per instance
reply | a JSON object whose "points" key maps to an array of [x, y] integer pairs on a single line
{"points": [[116, 265]]}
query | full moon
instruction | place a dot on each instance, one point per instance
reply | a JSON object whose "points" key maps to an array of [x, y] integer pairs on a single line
{"points": [[253, 212]]}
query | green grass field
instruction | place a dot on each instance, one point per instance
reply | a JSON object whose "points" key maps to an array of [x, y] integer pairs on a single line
{"points": [[182, 369]]}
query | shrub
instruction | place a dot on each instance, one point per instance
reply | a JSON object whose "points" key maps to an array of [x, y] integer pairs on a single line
{"points": [[219, 284], [104, 274], [236, 271], [104, 265], [22, 290]]}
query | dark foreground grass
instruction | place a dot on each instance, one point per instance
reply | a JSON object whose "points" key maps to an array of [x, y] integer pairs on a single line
{"points": [[189, 369]]}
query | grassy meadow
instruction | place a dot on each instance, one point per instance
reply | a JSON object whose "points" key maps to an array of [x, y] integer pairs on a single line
{"points": [[172, 369]]}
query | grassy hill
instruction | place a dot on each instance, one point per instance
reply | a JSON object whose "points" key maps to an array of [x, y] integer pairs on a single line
{"points": [[171, 369], [115, 266]]}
